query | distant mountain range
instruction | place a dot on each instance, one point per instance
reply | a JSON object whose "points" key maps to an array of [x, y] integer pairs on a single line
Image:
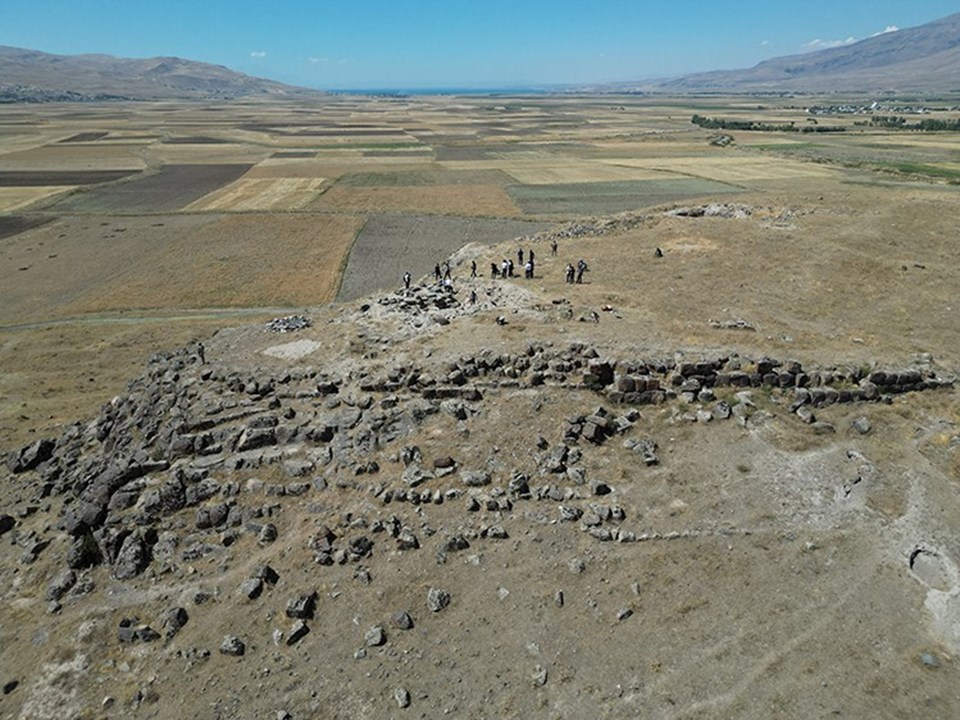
{"points": [[922, 59], [33, 76]]}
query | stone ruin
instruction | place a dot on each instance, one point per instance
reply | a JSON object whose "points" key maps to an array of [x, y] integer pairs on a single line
{"points": [[175, 439]]}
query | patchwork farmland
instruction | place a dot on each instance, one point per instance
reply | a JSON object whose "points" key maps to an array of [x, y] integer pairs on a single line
{"points": [[725, 462], [135, 212]]}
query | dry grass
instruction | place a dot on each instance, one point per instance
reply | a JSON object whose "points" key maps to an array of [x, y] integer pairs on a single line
{"points": [[261, 194], [843, 281], [467, 200], [580, 172], [59, 374], [163, 154], [75, 157], [731, 167], [239, 261], [13, 198]]}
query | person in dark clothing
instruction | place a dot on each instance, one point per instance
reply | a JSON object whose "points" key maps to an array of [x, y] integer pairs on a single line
{"points": [[570, 273], [436, 272], [494, 271], [406, 280], [473, 268]]}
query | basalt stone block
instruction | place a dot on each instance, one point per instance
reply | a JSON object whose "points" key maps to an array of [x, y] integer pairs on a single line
{"points": [[31, 456]]}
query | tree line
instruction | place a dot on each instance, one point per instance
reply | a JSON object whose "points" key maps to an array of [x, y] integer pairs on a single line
{"points": [[755, 125]]}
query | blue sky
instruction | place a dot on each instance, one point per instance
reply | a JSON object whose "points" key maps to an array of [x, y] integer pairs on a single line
{"points": [[414, 44]]}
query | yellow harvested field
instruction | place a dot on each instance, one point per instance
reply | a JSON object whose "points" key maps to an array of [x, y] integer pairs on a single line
{"points": [[330, 168], [14, 198], [467, 200], [731, 169], [578, 172], [75, 157], [237, 261], [212, 154], [248, 194]]}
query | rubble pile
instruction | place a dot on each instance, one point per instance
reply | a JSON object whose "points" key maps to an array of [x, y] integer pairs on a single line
{"points": [[290, 323]]}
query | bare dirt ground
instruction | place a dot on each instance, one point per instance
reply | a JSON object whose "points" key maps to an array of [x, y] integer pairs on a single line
{"points": [[766, 567], [390, 245]]}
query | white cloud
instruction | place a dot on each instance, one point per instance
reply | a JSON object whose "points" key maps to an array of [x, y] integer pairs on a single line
{"points": [[258, 54], [818, 44], [316, 60], [887, 29], [764, 43]]}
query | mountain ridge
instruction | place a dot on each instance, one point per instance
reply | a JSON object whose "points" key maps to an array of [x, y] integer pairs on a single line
{"points": [[925, 58], [28, 75]]}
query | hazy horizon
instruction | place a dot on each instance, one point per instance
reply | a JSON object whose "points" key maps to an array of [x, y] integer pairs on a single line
{"points": [[433, 45]]}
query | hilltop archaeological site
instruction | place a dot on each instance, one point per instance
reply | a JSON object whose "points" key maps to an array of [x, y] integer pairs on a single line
{"points": [[249, 474]]}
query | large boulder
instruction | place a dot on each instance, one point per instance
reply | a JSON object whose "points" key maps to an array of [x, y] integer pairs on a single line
{"points": [[31, 456]]}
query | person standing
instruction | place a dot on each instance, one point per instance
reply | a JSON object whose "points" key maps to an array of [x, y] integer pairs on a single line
{"points": [[436, 272], [473, 268], [406, 280], [553, 247], [520, 256]]}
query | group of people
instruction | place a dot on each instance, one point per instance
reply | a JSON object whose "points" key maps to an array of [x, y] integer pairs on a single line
{"points": [[506, 269], [575, 274]]}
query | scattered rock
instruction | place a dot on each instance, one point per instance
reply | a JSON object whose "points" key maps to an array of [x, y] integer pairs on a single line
{"points": [[232, 645], [539, 676], [861, 425], [173, 620], [298, 631], [60, 585], [402, 696], [437, 599], [251, 588], [303, 606], [375, 637], [401, 619]]}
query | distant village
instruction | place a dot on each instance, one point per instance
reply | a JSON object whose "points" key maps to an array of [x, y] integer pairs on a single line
{"points": [[873, 107]]}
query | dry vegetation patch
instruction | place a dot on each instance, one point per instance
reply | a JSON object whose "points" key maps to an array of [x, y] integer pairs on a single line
{"points": [[248, 194], [14, 198], [74, 157], [56, 374], [465, 200], [238, 261], [604, 198]]}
